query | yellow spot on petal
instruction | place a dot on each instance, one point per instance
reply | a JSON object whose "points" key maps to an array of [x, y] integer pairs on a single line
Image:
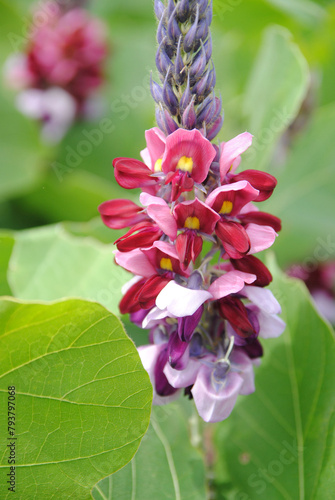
{"points": [[192, 223], [158, 165], [226, 208], [185, 164], [166, 264]]}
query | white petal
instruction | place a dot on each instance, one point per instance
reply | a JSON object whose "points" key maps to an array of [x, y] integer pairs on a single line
{"points": [[181, 301]]}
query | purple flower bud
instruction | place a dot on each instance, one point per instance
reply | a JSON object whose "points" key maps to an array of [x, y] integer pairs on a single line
{"points": [[159, 9], [161, 31], [199, 64], [209, 13], [191, 34], [211, 81], [202, 30], [178, 70], [206, 110], [171, 7], [214, 129], [208, 48], [165, 122], [156, 91], [199, 89], [189, 117], [186, 97], [173, 29], [183, 10], [163, 62], [202, 6], [169, 97]]}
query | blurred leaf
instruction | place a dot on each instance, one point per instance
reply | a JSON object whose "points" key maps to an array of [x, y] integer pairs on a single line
{"points": [[276, 89], [82, 398], [165, 467], [19, 137], [305, 196], [279, 443], [6, 246], [73, 197], [306, 11], [48, 264]]}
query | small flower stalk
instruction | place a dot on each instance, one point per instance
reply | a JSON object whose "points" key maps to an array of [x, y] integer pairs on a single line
{"points": [[61, 68], [197, 287]]}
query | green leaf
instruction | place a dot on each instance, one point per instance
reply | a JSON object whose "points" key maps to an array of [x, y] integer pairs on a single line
{"points": [[305, 11], [276, 89], [82, 398], [6, 246], [166, 465], [279, 442], [49, 264], [305, 196]]}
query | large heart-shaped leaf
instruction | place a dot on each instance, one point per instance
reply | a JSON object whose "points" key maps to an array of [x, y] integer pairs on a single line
{"points": [[166, 465], [48, 264], [278, 444], [82, 399]]}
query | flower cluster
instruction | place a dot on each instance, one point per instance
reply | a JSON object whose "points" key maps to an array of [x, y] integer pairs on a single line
{"points": [[198, 287], [61, 67]]}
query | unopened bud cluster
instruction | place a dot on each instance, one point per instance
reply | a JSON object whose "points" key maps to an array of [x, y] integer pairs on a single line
{"points": [[185, 95]]}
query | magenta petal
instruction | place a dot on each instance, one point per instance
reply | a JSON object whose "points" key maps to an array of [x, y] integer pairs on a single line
{"points": [[178, 352], [188, 324], [213, 405], [135, 262], [261, 237], [231, 282], [149, 355], [233, 149]]}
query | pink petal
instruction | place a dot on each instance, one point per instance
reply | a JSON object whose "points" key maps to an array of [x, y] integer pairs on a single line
{"points": [[242, 363], [145, 155], [160, 212], [192, 144], [231, 150], [240, 193], [155, 145], [212, 405], [231, 282], [181, 301], [270, 325], [262, 298], [135, 262], [261, 237], [196, 208]]}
